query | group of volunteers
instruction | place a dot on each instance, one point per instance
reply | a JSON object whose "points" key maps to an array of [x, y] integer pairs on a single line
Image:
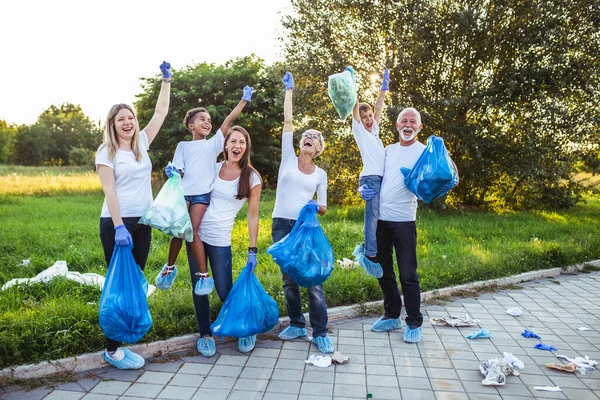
{"points": [[216, 191]]}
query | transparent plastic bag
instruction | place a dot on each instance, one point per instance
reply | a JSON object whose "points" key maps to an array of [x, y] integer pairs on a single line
{"points": [[433, 174], [342, 91], [124, 313], [248, 309], [305, 253], [169, 213]]}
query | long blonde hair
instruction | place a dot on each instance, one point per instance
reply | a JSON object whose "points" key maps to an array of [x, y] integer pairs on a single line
{"points": [[110, 135]]}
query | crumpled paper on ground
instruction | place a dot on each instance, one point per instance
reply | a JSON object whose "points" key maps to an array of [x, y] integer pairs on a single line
{"points": [[339, 358], [454, 321], [319, 361], [512, 360], [548, 388], [495, 371], [346, 263], [570, 367], [584, 364], [514, 311]]}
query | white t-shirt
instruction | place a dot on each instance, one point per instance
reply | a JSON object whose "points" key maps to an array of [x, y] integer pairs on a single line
{"points": [[217, 223], [294, 188], [371, 148], [197, 160], [132, 179], [396, 202]]}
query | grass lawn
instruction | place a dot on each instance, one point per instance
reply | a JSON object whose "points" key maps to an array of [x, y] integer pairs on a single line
{"points": [[53, 213]]}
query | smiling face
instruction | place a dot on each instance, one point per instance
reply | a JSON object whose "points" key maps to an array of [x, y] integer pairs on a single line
{"points": [[367, 118], [312, 143], [125, 124], [408, 125], [200, 125], [235, 146]]}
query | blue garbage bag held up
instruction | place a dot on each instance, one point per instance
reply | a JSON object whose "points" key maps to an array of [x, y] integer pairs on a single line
{"points": [[248, 309], [305, 253], [168, 212], [434, 173], [124, 313]]}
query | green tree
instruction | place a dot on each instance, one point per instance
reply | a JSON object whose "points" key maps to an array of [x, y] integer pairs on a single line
{"points": [[70, 128], [7, 137], [218, 88], [33, 145], [512, 87]]}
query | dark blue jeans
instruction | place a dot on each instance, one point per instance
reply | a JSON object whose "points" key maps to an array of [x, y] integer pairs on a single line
{"points": [[371, 214], [402, 237], [219, 260], [317, 308]]}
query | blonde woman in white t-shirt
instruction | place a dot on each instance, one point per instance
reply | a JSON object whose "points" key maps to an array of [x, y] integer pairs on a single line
{"points": [[124, 167], [298, 180]]}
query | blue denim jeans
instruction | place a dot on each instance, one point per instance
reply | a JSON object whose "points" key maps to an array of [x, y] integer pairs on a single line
{"points": [[219, 260], [317, 308], [402, 237], [371, 214]]}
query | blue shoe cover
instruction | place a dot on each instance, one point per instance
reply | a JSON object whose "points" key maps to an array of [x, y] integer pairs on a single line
{"points": [[246, 344], [324, 344], [165, 278], [206, 346], [359, 249], [480, 334], [371, 268], [204, 286], [382, 325], [129, 361], [413, 335], [292, 332]]}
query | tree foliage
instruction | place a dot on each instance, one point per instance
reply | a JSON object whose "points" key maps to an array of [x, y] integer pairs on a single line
{"points": [[33, 145], [512, 86], [7, 137], [218, 88]]}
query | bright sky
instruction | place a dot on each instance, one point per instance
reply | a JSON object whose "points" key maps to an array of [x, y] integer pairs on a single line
{"points": [[93, 52]]}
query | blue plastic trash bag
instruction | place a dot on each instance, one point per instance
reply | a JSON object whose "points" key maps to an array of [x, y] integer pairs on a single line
{"points": [[433, 174], [305, 253], [248, 309], [168, 212], [529, 334], [480, 334], [124, 313], [342, 91]]}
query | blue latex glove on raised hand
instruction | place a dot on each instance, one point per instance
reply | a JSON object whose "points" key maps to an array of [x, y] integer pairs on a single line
{"points": [[366, 193], [288, 81], [170, 169], [314, 204], [247, 93], [122, 236], [385, 83], [165, 68], [251, 260]]}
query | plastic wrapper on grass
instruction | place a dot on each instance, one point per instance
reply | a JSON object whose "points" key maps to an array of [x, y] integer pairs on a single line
{"points": [[342, 91], [169, 213], [305, 254], [433, 174], [124, 312], [248, 309]]}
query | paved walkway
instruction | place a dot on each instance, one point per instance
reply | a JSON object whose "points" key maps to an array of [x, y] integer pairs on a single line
{"points": [[443, 366]]}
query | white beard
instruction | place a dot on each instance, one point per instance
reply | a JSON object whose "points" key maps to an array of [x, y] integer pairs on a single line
{"points": [[408, 134]]}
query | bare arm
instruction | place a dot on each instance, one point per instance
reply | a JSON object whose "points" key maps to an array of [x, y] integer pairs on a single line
{"points": [[252, 216], [233, 116], [107, 178], [379, 105], [356, 114], [160, 111], [288, 125]]}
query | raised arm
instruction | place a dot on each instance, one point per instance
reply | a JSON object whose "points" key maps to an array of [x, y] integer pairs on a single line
{"points": [[288, 125], [385, 86], [246, 98], [162, 104]]}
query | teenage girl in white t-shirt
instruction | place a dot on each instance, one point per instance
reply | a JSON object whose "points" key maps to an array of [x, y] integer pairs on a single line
{"points": [[124, 167], [236, 182], [195, 161], [298, 180]]}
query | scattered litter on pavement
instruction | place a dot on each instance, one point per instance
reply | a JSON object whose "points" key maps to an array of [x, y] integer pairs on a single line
{"points": [[584, 364], [570, 367], [319, 360], [542, 346], [454, 321], [512, 360], [584, 328], [548, 388], [346, 263], [480, 334], [514, 311], [530, 334], [339, 358], [495, 371]]}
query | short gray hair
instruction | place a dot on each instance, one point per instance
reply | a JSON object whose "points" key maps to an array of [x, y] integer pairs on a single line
{"points": [[409, 109]]}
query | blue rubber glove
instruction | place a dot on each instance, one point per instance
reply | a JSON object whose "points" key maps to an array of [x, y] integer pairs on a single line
{"points": [[247, 93], [366, 193], [288, 81], [170, 169], [529, 334], [314, 204], [251, 260], [165, 68], [542, 346], [351, 70], [385, 83], [122, 236]]}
